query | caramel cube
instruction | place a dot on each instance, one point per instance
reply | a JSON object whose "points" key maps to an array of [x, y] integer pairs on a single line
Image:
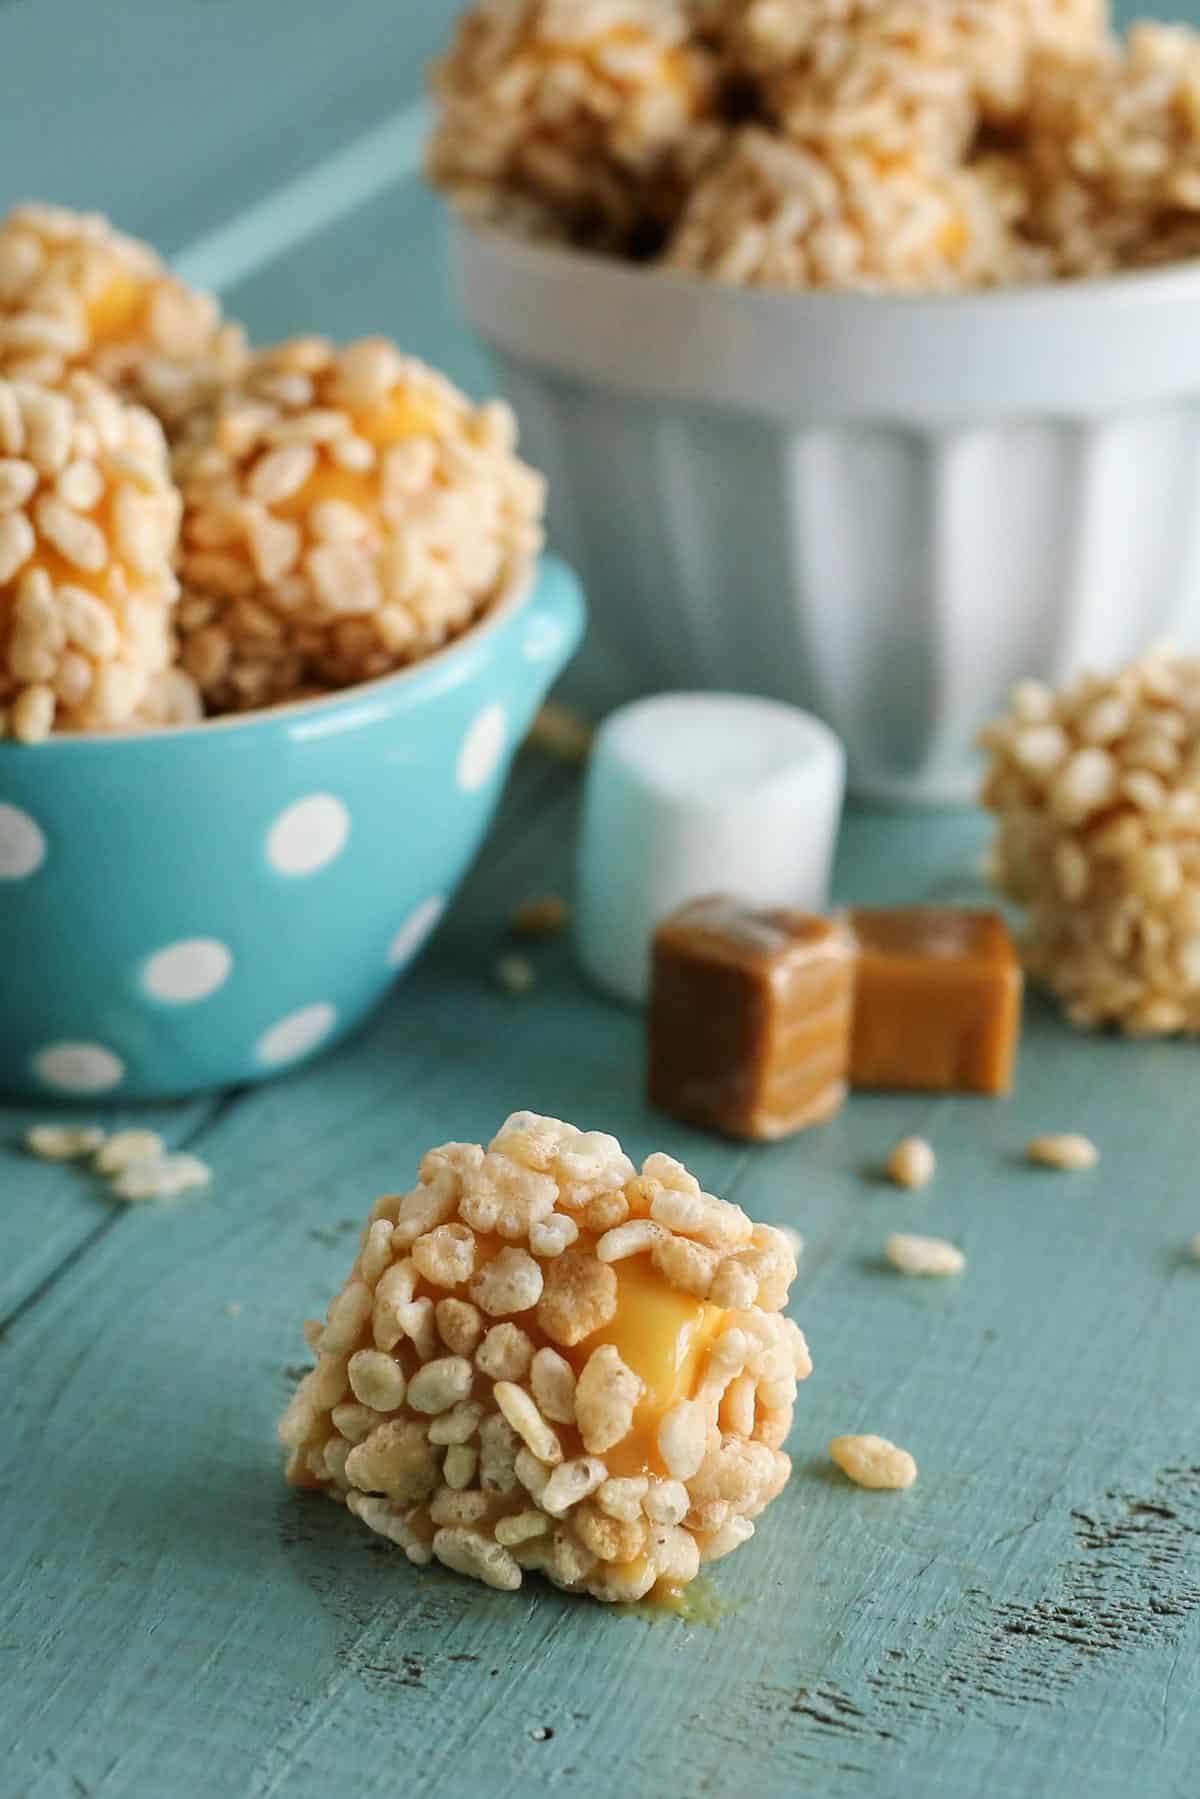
{"points": [[937, 1000], [749, 1021]]}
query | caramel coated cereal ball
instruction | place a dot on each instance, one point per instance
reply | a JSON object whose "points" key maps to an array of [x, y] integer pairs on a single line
{"points": [[1114, 145], [88, 524], [573, 118], [74, 293], [902, 76], [510, 1382], [772, 212], [345, 512], [1096, 790]]}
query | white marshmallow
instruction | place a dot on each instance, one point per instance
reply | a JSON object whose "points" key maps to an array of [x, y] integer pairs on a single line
{"points": [[696, 793]]}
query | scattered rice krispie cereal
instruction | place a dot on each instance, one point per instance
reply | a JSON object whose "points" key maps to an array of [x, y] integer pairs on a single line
{"points": [[1114, 143], [88, 525], [117, 1153], [1065, 1150], [923, 1255], [1097, 794], [345, 512], [604, 1403], [573, 118], [873, 1462], [75, 293], [912, 1163], [160, 1177], [777, 213], [515, 975], [63, 1142]]}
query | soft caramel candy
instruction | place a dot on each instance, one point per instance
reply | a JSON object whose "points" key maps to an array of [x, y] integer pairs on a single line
{"points": [[937, 1000], [749, 1025]]}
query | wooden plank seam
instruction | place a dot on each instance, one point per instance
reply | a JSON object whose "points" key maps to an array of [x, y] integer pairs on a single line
{"points": [[386, 156]]}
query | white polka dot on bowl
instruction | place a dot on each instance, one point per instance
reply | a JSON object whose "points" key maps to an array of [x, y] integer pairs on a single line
{"points": [[482, 748], [297, 1034], [420, 925], [187, 971], [308, 834], [78, 1067], [22, 844]]}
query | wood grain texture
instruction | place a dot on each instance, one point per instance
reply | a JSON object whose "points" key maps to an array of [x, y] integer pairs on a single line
{"points": [[1025, 1621], [1023, 1624]]}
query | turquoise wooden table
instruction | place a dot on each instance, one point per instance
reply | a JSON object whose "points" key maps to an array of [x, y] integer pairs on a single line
{"points": [[1025, 1622]]}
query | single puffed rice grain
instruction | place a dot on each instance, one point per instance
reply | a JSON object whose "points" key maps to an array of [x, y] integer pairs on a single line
{"points": [[515, 975], [440, 1384], [468, 1553], [682, 1438], [571, 1482], [505, 1353], [912, 1163], [1064, 1150], [606, 1394], [376, 1380], [522, 1414], [552, 1380], [873, 1462], [512, 1282], [923, 1255]]}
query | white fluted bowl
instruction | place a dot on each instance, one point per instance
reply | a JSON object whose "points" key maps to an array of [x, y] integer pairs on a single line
{"points": [[882, 509]]}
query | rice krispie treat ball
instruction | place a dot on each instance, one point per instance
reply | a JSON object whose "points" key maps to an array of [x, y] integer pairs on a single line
{"points": [[772, 212], [88, 524], [75, 293], [545, 1361], [902, 76], [345, 512], [1115, 151], [573, 118], [1097, 794]]}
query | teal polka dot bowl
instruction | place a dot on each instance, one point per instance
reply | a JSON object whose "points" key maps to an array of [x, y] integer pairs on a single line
{"points": [[201, 907]]}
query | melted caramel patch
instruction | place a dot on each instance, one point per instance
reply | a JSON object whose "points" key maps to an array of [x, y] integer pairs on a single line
{"points": [[662, 1335], [404, 416], [116, 312]]}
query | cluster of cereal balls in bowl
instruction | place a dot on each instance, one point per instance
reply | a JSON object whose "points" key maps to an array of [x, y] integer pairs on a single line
{"points": [[891, 144], [873, 320], [271, 627]]}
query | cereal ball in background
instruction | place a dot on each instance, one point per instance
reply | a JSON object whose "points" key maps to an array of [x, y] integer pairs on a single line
{"points": [[88, 525], [901, 76], [573, 118], [772, 212], [75, 293], [882, 78], [1114, 146], [345, 512], [1097, 794], [545, 1361]]}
